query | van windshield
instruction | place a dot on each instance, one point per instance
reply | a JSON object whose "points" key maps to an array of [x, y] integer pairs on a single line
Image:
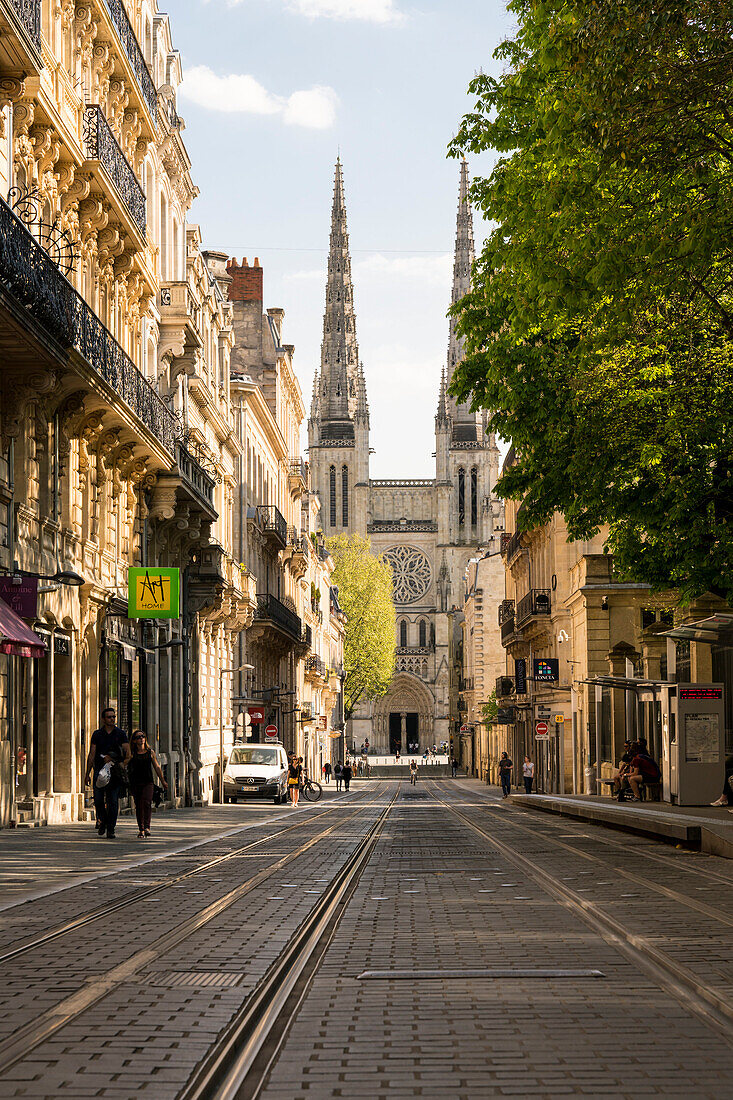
{"points": [[255, 754]]}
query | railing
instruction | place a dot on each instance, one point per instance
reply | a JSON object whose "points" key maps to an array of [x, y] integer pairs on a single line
{"points": [[307, 636], [317, 665], [393, 526], [506, 611], [270, 608], [504, 686], [306, 712], [29, 16], [297, 541], [462, 708], [538, 601], [195, 475], [508, 630], [131, 47], [273, 521], [513, 545], [29, 273], [297, 468], [101, 145], [414, 650]]}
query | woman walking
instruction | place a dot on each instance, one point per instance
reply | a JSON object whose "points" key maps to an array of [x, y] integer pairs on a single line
{"points": [[295, 779], [505, 774], [528, 774], [142, 768]]}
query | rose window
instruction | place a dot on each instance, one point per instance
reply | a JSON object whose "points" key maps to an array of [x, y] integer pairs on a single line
{"points": [[410, 573]]}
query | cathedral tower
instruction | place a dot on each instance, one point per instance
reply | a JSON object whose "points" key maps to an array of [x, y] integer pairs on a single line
{"points": [[338, 428]]}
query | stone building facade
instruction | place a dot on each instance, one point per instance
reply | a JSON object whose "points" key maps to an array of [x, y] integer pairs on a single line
{"points": [[428, 529]]}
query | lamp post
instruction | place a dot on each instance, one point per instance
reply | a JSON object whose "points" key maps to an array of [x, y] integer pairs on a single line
{"points": [[222, 673]]}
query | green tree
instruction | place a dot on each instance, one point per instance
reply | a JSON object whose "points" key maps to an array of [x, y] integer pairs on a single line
{"points": [[490, 709], [599, 329], [364, 583]]}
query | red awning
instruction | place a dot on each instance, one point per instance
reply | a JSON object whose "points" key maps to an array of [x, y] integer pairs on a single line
{"points": [[16, 638]]}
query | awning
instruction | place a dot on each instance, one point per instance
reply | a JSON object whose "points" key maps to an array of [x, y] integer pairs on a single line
{"points": [[715, 630], [16, 638]]}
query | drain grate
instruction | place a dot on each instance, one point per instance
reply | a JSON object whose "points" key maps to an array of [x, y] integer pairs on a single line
{"points": [[455, 975], [199, 978]]}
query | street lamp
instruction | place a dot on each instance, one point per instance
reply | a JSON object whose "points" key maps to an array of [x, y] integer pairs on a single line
{"points": [[61, 576], [222, 673]]}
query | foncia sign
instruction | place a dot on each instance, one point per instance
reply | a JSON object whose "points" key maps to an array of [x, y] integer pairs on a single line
{"points": [[152, 592]]}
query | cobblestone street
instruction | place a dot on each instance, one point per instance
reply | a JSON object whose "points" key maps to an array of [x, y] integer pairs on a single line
{"points": [[479, 949]]}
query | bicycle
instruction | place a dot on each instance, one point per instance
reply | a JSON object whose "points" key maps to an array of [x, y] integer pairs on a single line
{"points": [[312, 791]]}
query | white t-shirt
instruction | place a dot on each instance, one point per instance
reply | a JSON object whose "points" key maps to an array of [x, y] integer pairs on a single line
{"points": [[528, 770]]}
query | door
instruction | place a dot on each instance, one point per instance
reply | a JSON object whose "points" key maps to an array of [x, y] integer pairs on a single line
{"points": [[412, 733], [395, 732]]}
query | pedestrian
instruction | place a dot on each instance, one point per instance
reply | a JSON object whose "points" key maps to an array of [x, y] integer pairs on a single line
{"points": [[505, 774], [347, 774], [295, 779], [642, 769], [142, 768], [413, 772], [727, 795], [528, 775], [327, 771], [454, 767], [338, 774], [108, 745]]}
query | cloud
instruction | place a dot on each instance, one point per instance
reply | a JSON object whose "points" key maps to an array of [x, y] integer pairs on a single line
{"points": [[314, 108], [368, 11]]}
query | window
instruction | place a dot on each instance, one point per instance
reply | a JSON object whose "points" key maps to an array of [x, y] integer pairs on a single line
{"points": [[332, 495], [474, 496], [345, 496], [403, 632], [423, 633], [461, 497]]}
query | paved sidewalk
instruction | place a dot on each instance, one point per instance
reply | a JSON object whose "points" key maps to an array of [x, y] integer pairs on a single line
{"points": [[37, 862]]}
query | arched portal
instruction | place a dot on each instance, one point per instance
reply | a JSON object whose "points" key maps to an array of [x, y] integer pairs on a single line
{"points": [[403, 718]]}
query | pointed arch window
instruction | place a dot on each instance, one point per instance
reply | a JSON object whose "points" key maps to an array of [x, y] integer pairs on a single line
{"points": [[345, 496], [423, 633], [403, 633], [474, 496], [332, 495], [461, 497]]}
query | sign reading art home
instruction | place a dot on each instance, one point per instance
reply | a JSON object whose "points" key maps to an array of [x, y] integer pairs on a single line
{"points": [[153, 592]]}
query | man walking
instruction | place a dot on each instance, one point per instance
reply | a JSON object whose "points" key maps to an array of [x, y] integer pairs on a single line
{"points": [[327, 771], [454, 767], [109, 745], [347, 774], [338, 772]]}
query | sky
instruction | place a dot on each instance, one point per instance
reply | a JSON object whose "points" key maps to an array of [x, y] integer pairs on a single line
{"points": [[273, 91]]}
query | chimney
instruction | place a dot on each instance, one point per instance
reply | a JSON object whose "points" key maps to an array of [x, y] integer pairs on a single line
{"points": [[246, 285]]}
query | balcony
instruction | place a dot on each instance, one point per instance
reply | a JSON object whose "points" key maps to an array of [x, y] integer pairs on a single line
{"points": [[538, 601], [196, 478], [512, 547], [414, 650], [298, 475], [101, 146], [50, 304], [134, 55], [24, 17], [506, 611], [315, 668], [504, 686], [307, 637], [273, 525], [508, 631], [297, 551], [306, 712], [271, 610]]}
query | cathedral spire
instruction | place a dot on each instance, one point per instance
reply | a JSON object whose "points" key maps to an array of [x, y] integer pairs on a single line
{"points": [[466, 425], [441, 418], [340, 373]]}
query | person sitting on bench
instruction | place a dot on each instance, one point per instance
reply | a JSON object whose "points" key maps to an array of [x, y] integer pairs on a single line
{"points": [[642, 769], [623, 767]]}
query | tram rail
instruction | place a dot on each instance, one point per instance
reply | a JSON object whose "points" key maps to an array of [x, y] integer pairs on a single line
{"points": [[47, 1023], [676, 979]]}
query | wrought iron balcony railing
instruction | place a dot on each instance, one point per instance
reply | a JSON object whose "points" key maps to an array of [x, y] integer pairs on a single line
{"points": [[316, 665], [307, 636], [273, 522], [28, 13], [538, 601], [508, 630], [101, 145], [131, 47], [30, 275], [513, 545], [504, 686], [195, 475], [272, 610], [297, 469], [506, 611]]}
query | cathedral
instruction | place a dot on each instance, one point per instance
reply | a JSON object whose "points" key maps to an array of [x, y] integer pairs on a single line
{"points": [[428, 529]]}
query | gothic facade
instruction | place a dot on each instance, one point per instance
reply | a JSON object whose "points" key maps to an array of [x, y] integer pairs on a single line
{"points": [[427, 529]]}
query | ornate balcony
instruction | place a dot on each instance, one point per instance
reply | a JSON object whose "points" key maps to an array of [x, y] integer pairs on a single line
{"points": [[508, 631], [270, 610], [297, 552], [273, 524], [538, 601], [512, 547], [315, 668], [195, 476], [131, 46], [101, 146], [26, 14], [504, 686], [506, 611], [298, 475], [50, 303]]}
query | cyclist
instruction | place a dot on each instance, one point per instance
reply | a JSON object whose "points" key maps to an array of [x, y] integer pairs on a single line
{"points": [[413, 772]]}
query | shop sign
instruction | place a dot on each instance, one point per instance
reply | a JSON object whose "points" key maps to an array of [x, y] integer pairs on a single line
{"points": [[152, 592], [257, 714], [547, 669], [520, 676], [21, 597], [61, 645]]}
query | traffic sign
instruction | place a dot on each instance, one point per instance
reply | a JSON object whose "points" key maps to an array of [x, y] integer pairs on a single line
{"points": [[541, 727], [542, 737], [559, 719], [465, 729], [271, 731]]}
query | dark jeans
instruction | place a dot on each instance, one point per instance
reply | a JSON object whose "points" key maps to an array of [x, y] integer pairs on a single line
{"points": [[339, 781], [506, 782], [528, 781], [346, 784], [143, 796], [106, 803]]}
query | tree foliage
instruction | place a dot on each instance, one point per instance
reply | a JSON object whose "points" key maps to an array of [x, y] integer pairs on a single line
{"points": [[599, 329], [364, 584]]}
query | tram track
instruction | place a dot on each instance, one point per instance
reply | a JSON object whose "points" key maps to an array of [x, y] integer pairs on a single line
{"points": [[47, 1023], [669, 973], [104, 910]]}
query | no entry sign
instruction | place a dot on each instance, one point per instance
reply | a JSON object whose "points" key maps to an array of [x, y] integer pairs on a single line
{"points": [[271, 731], [541, 727]]}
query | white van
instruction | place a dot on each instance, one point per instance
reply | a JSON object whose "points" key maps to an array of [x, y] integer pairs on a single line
{"points": [[256, 771]]}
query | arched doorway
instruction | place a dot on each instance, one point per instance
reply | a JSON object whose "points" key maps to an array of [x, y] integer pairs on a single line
{"points": [[404, 716]]}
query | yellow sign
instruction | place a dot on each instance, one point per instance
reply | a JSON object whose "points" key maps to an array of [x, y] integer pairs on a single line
{"points": [[559, 718], [152, 592]]}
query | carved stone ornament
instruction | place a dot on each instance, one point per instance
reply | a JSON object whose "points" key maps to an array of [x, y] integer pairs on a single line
{"points": [[411, 573]]}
